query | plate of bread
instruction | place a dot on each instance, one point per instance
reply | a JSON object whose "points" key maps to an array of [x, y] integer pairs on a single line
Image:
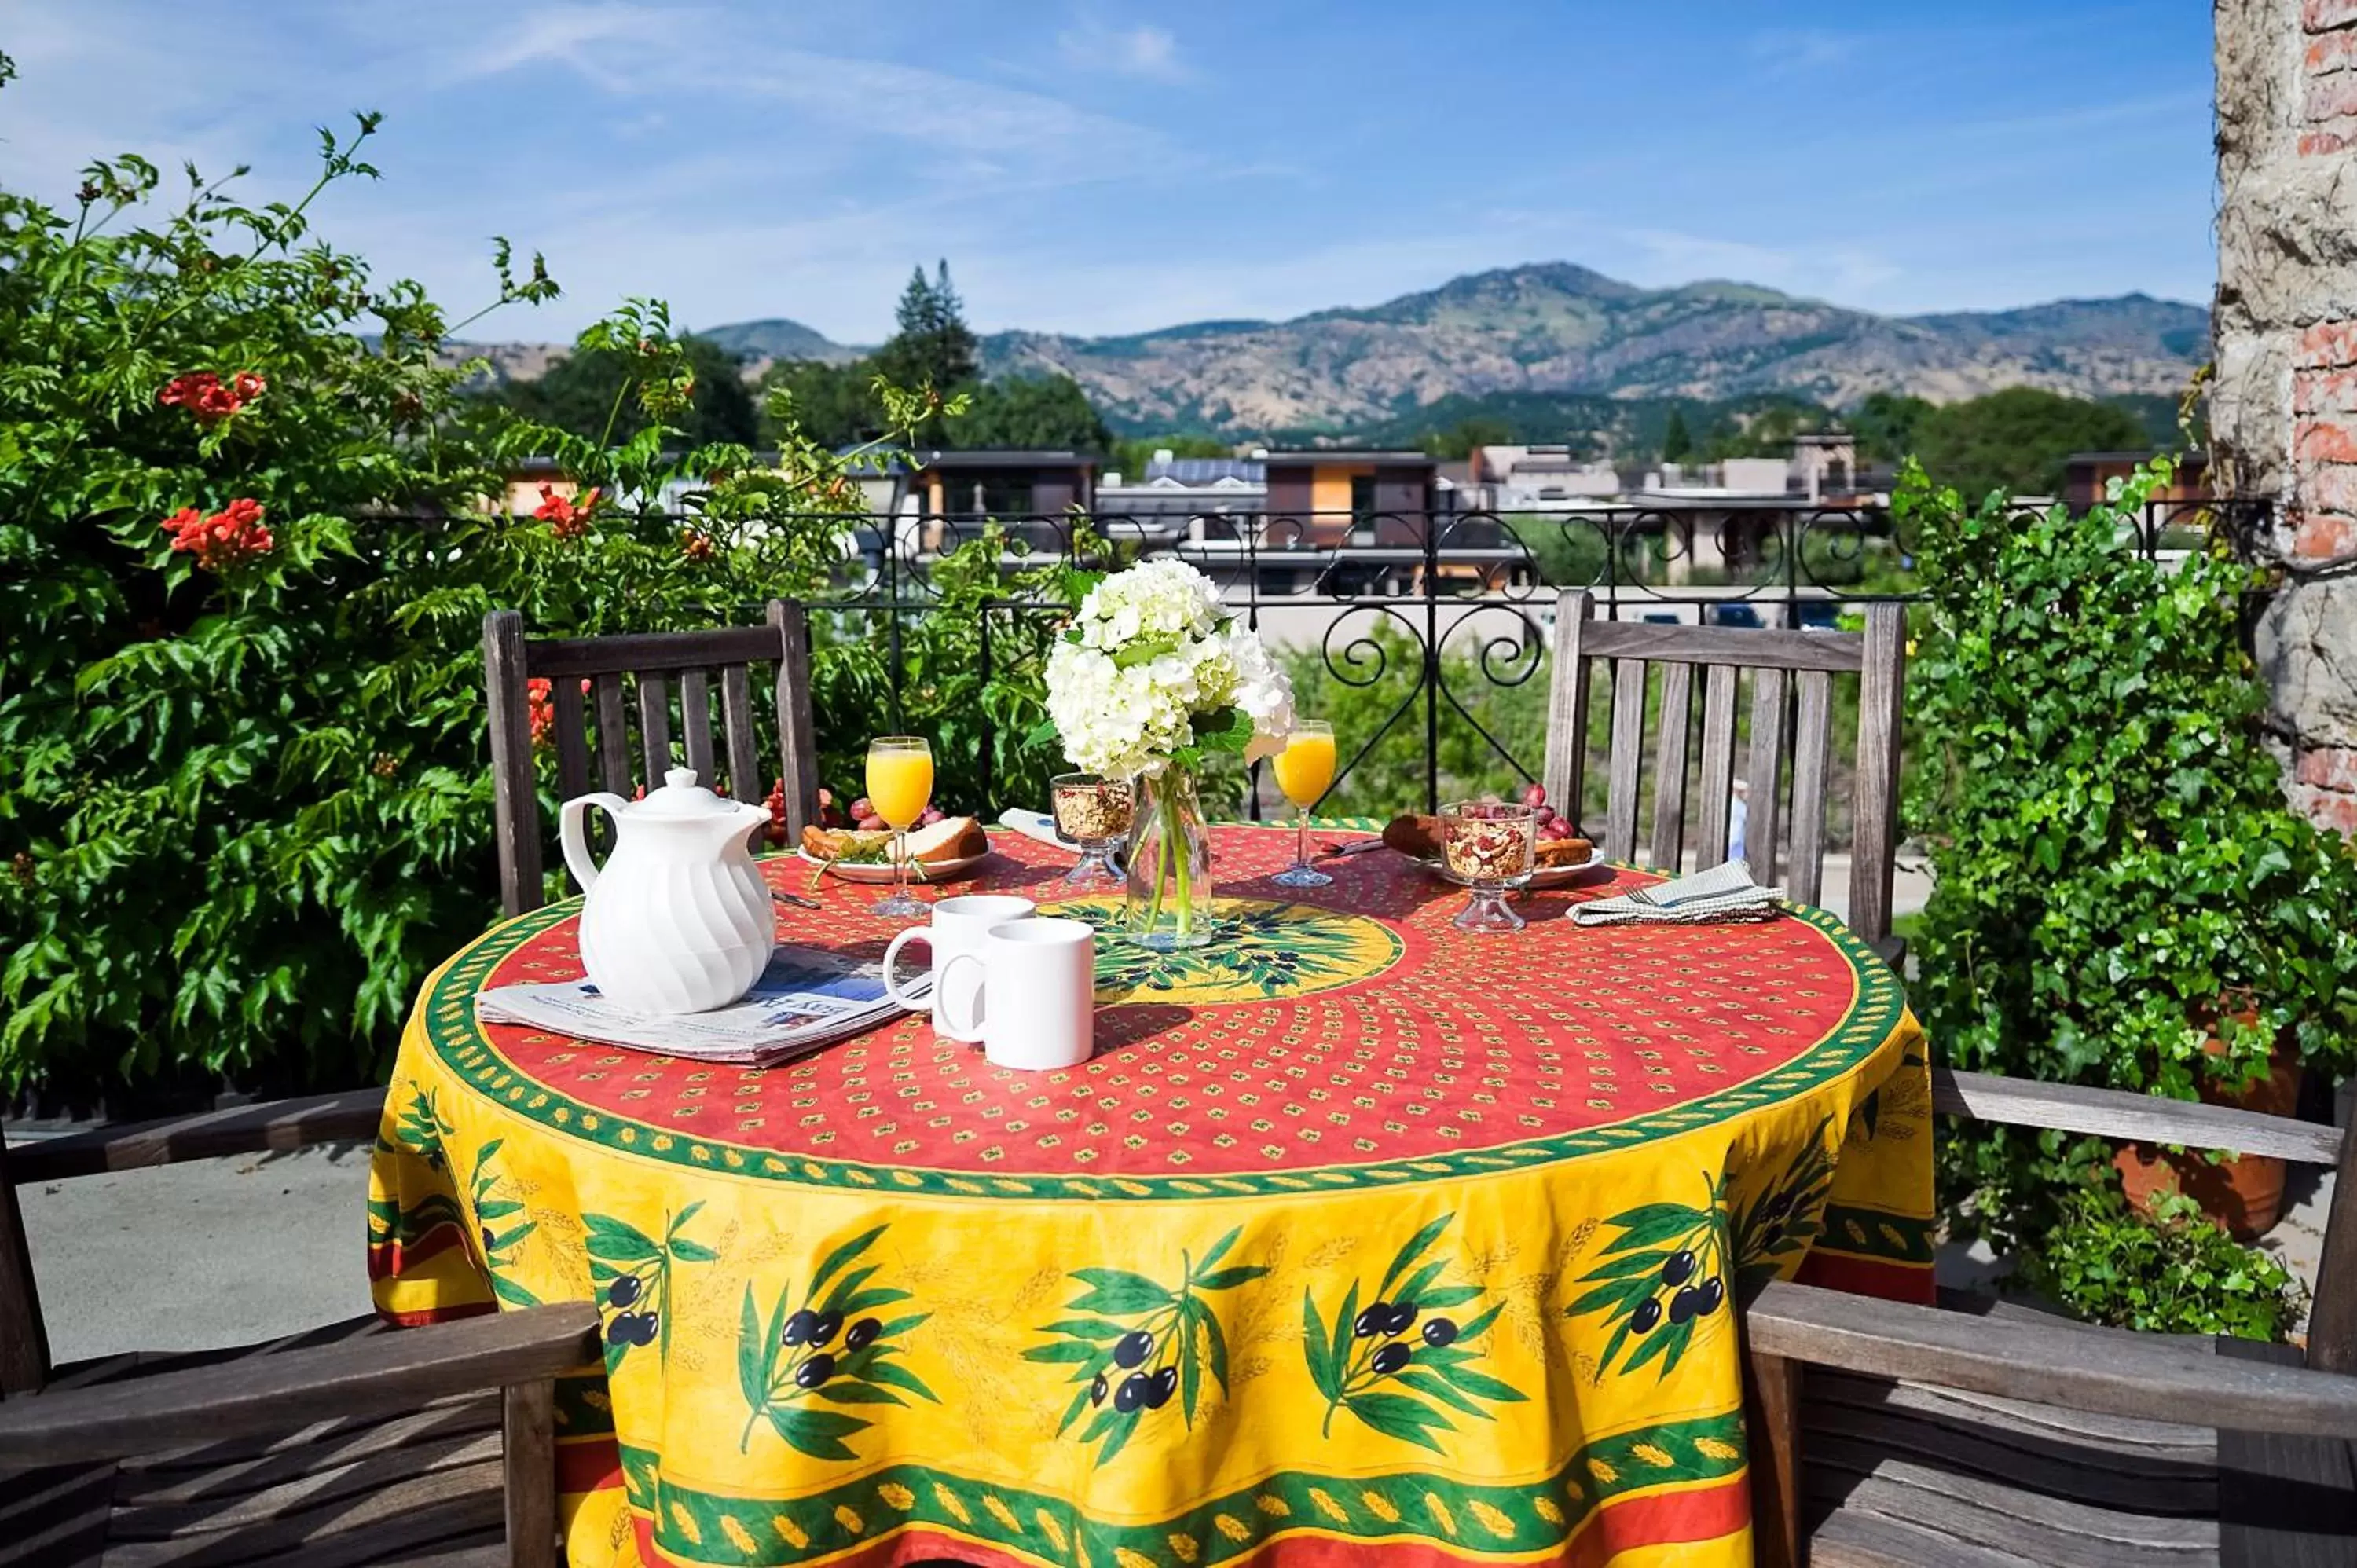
{"points": [[1561, 853], [938, 852]]}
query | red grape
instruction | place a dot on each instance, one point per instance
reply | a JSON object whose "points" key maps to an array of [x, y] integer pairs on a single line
{"points": [[1534, 795]]}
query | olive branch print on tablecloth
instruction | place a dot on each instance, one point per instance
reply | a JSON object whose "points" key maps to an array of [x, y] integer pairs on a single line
{"points": [[632, 1274], [1667, 1272], [1363, 1357], [1139, 1342], [794, 1356], [499, 1240], [1780, 1221], [421, 1130]]}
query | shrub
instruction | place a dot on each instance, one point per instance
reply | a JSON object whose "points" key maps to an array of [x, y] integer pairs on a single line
{"points": [[245, 552], [2172, 1271], [2112, 853]]}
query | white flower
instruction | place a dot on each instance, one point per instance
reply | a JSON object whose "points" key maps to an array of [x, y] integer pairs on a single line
{"points": [[1186, 656]]}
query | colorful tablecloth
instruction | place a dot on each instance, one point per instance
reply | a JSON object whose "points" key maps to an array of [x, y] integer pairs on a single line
{"points": [[1360, 1240]]}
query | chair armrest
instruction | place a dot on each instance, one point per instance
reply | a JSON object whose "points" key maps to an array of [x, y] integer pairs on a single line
{"points": [[2103, 1371], [369, 1376], [2120, 1113], [242, 1129]]}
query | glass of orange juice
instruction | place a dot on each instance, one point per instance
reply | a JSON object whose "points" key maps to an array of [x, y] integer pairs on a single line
{"points": [[1305, 771], [899, 786]]}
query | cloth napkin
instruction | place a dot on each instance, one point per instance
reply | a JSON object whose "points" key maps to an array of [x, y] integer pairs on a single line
{"points": [[1722, 893]]}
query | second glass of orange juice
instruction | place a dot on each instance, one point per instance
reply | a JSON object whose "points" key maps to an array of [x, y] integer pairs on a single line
{"points": [[1305, 771], [899, 786]]}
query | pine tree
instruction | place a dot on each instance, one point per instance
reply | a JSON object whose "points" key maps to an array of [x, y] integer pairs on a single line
{"points": [[933, 345]]}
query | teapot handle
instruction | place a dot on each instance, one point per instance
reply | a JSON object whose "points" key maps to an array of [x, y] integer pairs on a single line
{"points": [[572, 836]]}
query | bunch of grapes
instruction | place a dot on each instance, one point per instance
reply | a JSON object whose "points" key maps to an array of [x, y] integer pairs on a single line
{"points": [[1552, 823], [864, 817]]}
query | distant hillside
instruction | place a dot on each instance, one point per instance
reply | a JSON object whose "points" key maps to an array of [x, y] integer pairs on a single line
{"points": [[778, 339], [1548, 331], [1559, 329]]}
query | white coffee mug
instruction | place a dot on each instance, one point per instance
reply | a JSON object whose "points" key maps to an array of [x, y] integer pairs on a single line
{"points": [[957, 928], [1034, 1006]]}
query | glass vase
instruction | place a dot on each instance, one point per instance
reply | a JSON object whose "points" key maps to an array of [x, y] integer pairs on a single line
{"points": [[1167, 903]]}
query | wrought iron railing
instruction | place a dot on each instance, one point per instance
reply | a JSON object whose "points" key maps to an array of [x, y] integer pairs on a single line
{"points": [[1454, 596]]}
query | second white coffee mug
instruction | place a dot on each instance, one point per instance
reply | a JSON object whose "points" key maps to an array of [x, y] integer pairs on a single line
{"points": [[957, 928], [1034, 1006]]}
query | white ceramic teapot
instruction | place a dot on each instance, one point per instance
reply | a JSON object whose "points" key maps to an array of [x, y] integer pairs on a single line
{"points": [[678, 919]]}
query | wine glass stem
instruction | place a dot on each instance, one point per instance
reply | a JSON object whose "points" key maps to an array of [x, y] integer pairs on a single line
{"points": [[1301, 840], [900, 865]]}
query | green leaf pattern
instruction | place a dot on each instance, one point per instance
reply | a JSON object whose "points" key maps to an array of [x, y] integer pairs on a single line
{"points": [[1135, 1344], [826, 1346], [1400, 1364]]}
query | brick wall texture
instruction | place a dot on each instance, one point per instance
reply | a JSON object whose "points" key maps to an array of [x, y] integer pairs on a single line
{"points": [[2284, 412]]}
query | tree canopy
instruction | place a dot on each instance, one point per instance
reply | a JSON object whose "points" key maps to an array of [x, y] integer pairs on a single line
{"points": [[2019, 440], [585, 392]]}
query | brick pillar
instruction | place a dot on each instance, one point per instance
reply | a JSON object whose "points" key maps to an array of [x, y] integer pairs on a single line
{"points": [[2284, 409]]}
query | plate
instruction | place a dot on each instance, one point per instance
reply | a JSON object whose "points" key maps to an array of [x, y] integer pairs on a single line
{"points": [[1545, 877], [878, 873]]}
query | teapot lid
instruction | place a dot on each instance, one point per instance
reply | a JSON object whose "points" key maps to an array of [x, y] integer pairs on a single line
{"points": [[681, 795]]}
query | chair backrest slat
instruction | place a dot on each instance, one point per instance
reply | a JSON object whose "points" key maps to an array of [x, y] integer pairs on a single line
{"points": [[24, 1341], [736, 717], [695, 724], [515, 792], [1567, 751], [633, 679], [654, 727], [1717, 785], [572, 744], [1811, 749], [1763, 775], [1670, 765], [1874, 851], [796, 730], [613, 735], [1791, 674], [1627, 741]]}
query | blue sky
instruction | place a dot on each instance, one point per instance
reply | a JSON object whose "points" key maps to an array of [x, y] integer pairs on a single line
{"points": [[1109, 166]]}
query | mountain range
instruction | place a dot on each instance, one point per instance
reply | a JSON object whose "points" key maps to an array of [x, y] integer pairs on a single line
{"points": [[1557, 327]]}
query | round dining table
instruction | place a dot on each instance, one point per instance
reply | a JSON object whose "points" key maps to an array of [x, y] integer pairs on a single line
{"points": [[1360, 1238]]}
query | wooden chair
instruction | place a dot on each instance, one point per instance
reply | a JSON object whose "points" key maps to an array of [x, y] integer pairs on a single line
{"points": [[351, 1445], [1883, 1433], [1977, 1435], [649, 659], [1792, 669]]}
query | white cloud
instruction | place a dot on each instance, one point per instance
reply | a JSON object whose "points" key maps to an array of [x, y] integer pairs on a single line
{"points": [[1145, 51], [584, 37]]}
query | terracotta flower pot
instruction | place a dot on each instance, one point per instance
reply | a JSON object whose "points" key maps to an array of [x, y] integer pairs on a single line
{"points": [[2244, 1193]]}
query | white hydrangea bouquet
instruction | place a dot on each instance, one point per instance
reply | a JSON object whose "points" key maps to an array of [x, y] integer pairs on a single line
{"points": [[1154, 675]]}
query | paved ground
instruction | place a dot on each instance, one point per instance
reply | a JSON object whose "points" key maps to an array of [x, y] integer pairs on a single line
{"points": [[217, 1253], [201, 1254]]}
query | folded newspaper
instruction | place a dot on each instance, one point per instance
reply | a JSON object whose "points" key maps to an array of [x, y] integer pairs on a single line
{"points": [[805, 999]]}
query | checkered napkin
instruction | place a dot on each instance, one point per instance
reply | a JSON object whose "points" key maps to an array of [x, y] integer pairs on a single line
{"points": [[1722, 893]]}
